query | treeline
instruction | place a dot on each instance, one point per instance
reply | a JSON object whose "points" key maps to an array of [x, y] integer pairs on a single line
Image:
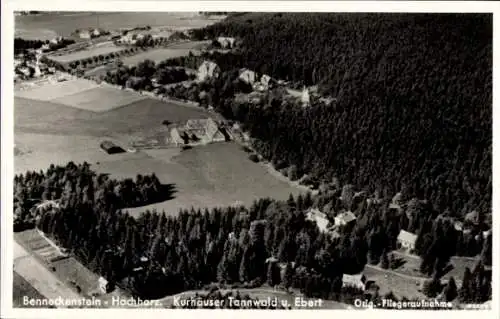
{"points": [[22, 45], [74, 185], [155, 254], [413, 100]]}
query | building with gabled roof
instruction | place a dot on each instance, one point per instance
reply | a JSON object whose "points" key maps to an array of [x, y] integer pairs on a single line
{"points": [[197, 131], [354, 281], [344, 218], [207, 70]]}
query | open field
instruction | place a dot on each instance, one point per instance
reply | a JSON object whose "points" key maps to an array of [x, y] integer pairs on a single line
{"points": [[86, 53], [412, 265], [21, 289], [56, 90], [213, 175], [64, 24], [156, 55], [32, 116], [100, 99], [206, 176]]}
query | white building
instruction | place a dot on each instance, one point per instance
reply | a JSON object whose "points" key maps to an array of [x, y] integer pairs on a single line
{"points": [[103, 285], [407, 240], [226, 42], [355, 281], [208, 70]]}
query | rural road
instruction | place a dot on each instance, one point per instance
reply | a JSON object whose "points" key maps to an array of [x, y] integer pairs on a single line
{"points": [[40, 277]]}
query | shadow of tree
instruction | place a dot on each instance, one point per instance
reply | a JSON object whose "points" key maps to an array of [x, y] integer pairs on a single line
{"points": [[165, 193]]}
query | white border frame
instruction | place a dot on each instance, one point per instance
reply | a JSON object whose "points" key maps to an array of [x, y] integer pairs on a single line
{"points": [[7, 162]]}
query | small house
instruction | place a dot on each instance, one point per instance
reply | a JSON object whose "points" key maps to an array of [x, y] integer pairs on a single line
{"points": [[407, 240], [104, 285], [459, 226], [96, 33], [354, 281], [344, 218], [84, 34], [208, 70]]}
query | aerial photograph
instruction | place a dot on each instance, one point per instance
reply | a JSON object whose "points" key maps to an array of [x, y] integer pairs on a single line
{"points": [[252, 160]]}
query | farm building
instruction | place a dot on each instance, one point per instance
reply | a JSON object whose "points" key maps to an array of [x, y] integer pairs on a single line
{"points": [[207, 70], [355, 281], [197, 131], [111, 148], [315, 215], [345, 218], [84, 34], [407, 240]]}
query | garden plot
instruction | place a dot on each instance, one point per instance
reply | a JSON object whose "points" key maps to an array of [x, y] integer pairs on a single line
{"points": [[99, 99], [56, 90]]}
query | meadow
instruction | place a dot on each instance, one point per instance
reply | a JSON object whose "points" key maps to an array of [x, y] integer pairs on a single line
{"points": [[213, 175], [157, 55]]}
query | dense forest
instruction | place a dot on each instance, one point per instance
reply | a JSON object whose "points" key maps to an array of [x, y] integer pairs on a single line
{"points": [[405, 145], [413, 93], [269, 242]]}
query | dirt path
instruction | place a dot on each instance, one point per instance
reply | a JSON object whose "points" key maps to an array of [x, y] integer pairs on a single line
{"points": [[40, 277]]}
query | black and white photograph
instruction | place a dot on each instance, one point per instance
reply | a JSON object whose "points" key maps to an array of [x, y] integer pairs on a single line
{"points": [[249, 160]]}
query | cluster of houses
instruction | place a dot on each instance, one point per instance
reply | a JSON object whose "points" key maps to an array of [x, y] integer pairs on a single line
{"points": [[26, 67], [91, 33]]}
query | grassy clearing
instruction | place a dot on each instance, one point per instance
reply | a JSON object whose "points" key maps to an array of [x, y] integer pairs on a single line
{"points": [[87, 53], [156, 55], [39, 277], [35, 34], [100, 99], [56, 90]]}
